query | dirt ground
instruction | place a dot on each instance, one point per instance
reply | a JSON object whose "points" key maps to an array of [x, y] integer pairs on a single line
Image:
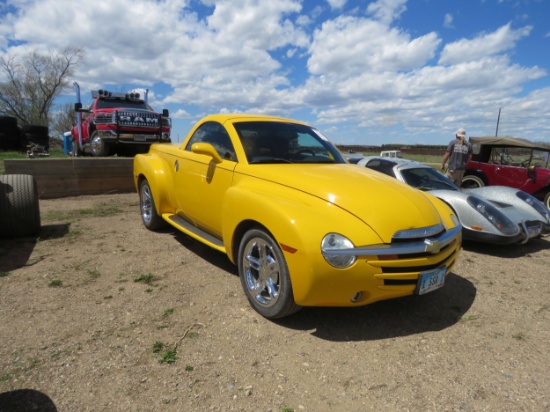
{"points": [[99, 314]]}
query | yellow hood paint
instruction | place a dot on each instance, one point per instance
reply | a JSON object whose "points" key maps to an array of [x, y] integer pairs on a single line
{"points": [[381, 202]]}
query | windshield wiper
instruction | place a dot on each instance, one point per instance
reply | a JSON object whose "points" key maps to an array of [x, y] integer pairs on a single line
{"points": [[273, 160]]}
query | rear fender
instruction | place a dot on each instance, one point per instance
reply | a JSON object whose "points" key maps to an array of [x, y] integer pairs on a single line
{"points": [[153, 168]]}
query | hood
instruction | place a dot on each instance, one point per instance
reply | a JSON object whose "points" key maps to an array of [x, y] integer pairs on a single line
{"points": [[506, 198], [381, 202]]}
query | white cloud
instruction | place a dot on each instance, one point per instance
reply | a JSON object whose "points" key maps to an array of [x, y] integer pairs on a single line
{"points": [[501, 40], [336, 4], [386, 11], [448, 20], [268, 56], [351, 45]]}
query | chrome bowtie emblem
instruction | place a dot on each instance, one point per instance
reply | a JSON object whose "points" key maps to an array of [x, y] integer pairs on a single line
{"points": [[432, 246]]}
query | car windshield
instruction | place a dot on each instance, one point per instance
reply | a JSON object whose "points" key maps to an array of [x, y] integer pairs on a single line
{"points": [[519, 156], [427, 178], [118, 103], [279, 142]]}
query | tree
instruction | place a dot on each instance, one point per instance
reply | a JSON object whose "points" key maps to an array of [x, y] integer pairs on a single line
{"points": [[34, 81], [62, 119]]}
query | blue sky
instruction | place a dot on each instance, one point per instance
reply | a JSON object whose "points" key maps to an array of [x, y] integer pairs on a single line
{"points": [[363, 72]]}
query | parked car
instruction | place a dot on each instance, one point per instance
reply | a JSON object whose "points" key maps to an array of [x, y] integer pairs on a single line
{"points": [[391, 153], [512, 162], [353, 157], [278, 198], [494, 214]]}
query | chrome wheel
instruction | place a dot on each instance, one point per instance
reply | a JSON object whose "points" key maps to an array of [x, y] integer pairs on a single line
{"points": [[98, 147], [265, 276], [261, 271], [146, 203], [149, 215]]}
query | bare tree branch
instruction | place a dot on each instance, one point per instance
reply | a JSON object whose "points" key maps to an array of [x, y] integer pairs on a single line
{"points": [[33, 84]]}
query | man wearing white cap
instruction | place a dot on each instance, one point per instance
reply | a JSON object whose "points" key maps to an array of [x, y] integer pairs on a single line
{"points": [[459, 152]]}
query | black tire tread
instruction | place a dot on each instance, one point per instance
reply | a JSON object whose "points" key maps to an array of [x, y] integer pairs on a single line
{"points": [[19, 206]]}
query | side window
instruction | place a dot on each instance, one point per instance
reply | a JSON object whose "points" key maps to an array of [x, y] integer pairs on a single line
{"points": [[216, 135], [540, 158], [382, 166]]}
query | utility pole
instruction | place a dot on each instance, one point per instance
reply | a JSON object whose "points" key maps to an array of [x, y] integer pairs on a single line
{"points": [[498, 120]]}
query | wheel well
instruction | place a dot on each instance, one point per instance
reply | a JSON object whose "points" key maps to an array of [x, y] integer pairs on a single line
{"points": [[241, 229], [140, 179], [542, 193], [476, 173]]}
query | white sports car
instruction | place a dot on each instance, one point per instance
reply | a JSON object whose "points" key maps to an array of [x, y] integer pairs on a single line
{"points": [[491, 214]]}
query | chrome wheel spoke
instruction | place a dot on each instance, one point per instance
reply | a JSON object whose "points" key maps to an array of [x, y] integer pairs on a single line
{"points": [[262, 272]]}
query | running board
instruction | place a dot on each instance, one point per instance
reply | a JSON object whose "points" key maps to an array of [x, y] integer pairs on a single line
{"points": [[193, 231]]}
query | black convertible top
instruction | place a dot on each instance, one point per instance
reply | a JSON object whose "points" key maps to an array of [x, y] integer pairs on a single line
{"points": [[507, 141]]}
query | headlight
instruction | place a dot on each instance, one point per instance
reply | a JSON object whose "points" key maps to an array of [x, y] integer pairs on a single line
{"points": [[493, 215], [335, 241], [535, 203]]}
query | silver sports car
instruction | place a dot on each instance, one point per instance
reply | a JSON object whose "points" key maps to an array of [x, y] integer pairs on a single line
{"points": [[492, 214]]}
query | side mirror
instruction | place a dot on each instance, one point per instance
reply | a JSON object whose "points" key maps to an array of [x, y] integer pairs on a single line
{"points": [[78, 108], [208, 150], [165, 113]]}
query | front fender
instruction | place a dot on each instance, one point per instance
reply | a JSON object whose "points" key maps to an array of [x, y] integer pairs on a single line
{"points": [[297, 221]]}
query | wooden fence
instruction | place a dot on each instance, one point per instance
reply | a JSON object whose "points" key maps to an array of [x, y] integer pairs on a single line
{"points": [[58, 178]]}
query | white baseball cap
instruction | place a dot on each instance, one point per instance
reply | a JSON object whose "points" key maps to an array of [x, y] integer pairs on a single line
{"points": [[461, 132]]}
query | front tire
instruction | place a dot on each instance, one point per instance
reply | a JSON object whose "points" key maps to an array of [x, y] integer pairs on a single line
{"points": [[98, 146], [472, 182], [149, 216], [264, 275]]}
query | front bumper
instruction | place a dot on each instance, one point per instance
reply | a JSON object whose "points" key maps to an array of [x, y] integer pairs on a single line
{"points": [[133, 138], [381, 272]]}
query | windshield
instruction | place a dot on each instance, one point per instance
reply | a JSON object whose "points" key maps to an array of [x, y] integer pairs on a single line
{"points": [[279, 142], [118, 103], [426, 178]]}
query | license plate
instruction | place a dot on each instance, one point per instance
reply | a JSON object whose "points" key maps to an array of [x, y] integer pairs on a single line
{"points": [[140, 138], [431, 280]]}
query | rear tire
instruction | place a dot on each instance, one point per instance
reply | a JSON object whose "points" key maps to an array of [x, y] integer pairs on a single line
{"points": [[472, 182], [149, 216], [19, 207], [75, 150]]}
